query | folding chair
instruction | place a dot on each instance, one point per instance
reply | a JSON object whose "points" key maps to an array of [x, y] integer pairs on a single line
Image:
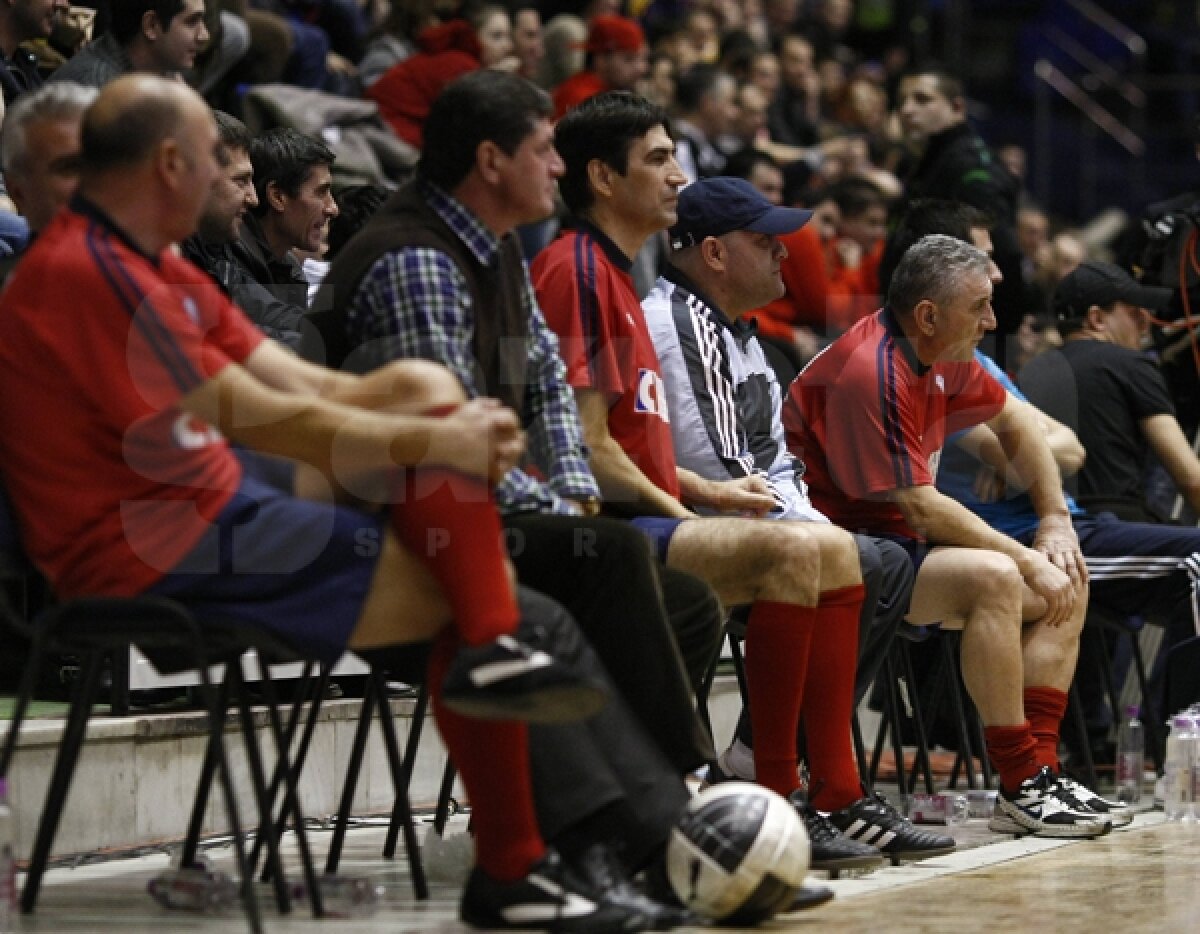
{"points": [[95, 629]]}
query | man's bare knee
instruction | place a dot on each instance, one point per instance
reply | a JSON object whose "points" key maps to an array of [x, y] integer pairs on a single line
{"points": [[422, 384]]}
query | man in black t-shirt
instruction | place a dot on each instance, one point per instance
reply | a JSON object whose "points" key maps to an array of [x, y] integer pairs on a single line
{"points": [[1109, 393]]}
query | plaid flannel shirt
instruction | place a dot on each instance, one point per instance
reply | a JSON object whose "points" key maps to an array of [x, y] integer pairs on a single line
{"points": [[414, 302]]}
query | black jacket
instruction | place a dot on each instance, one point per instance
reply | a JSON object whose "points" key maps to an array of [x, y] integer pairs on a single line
{"points": [[269, 310]]}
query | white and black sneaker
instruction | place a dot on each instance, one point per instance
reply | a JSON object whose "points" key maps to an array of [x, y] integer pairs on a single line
{"points": [[508, 679], [1121, 814], [873, 820], [1042, 807], [547, 899]]}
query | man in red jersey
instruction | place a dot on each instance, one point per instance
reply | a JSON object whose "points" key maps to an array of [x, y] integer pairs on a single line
{"points": [[140, 393], [869, 416], [802, 580], [616, 61]]}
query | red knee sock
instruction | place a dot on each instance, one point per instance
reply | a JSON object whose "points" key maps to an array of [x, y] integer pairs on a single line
{"points": [[778, 636], [829, 701], [493, 759], [1044, 709], [1013, 752], [449, 521]]}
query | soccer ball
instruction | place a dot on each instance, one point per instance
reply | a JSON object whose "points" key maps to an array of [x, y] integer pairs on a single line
{"points": [[739, 853]]}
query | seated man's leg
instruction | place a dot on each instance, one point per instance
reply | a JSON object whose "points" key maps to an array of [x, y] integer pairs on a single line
{"points": [[602, 571], [784, 569], [983, 593]]}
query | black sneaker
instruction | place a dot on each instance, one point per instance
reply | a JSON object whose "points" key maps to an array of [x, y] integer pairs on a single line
{"points": [[1041, 807], [603, 879], [809, 896], [508, 680], [1120, 814], [873, 820], [832, 850], [548, 899]]}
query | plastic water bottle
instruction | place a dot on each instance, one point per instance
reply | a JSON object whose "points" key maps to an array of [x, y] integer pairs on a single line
{"points": [[1131, 757], [194, 888], [1177, 771], [346, 896], [8, 863]]}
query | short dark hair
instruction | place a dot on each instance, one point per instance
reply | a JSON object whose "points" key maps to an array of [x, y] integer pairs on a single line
{"points": [[483, 106], [743, 162], [855, 196], [125, 20], [697, 83], [603, 127], [949, 85], [231, 132], [286, 157], [927, 216]]}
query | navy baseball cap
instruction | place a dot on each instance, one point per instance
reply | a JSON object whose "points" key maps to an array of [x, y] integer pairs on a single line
{"points": [[715, 206], [1095, 283]]}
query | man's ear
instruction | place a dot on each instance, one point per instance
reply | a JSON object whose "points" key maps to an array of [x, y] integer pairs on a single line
{"points": [[600, 175], [1095, 320], [925, 316], [171, 160], [487, 161], [713, 251], [276, 197], [152, 29]]}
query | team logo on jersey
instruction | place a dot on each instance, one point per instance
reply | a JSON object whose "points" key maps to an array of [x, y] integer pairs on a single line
{"points": [[191, 434], [651, 395], [940, 382], [189, 306]]}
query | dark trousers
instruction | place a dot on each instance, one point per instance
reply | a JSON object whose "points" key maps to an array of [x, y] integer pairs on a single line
{"points": [[655, 630], [581, 768], [1136, 569]]}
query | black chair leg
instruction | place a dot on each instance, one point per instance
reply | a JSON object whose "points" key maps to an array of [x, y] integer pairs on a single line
{"points": [[315, 696], [401, 778], [443, 806], [24, 695], [860, 754], [217, 701], [213, 756], [1150, 713], [353, 767], [900, 651], [258, 782], [84, 697], [291, 793], [119, 695], [420, 712]]}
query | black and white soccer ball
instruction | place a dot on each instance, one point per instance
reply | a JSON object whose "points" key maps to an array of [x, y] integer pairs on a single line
{"points": [[739, 853]]}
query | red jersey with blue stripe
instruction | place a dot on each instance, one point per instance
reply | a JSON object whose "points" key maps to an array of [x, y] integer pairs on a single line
{"points": [[867, 418], [585, 291], [111, 481]]}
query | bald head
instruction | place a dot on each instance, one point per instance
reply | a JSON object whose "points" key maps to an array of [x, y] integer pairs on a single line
{"points": [[131, 117], [149, 158]]}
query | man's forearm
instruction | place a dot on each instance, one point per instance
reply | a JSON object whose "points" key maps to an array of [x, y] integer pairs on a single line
{"points": [[943, 521]]}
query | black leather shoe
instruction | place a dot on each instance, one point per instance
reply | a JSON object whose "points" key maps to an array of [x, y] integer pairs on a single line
{"points": [[809, 896], [509, 680], [832, 850], [549, 898], [605, 881]]}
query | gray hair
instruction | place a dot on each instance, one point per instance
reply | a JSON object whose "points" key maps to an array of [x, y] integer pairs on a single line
{"points": [[933, 268], [58, 100]]}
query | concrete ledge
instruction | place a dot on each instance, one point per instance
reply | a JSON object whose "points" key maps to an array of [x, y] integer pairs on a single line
{"points": [[136, 777]]}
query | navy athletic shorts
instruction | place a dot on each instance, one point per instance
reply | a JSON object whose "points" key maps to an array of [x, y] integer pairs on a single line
{"points": [[298, 568], [659, 530]]}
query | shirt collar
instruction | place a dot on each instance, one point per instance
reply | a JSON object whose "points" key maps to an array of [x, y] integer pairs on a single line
{"points": [[614, 253], [892, 325], [81, 205], [458, 217]]}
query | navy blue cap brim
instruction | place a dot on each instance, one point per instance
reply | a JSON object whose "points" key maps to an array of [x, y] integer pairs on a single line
{"points": [[780, 221]]}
